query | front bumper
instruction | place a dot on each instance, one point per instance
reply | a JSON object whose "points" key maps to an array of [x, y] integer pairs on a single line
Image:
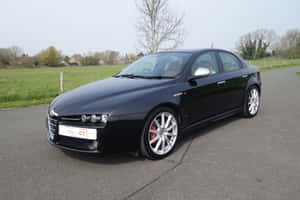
{"points": [[121, 134], [76, 149], [69, 143]]}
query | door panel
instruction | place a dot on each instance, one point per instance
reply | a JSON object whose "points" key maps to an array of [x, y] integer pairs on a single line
{"points": [[236, 83], [204, 98]]}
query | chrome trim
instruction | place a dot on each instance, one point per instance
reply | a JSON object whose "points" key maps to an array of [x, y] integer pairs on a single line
{"points": [[53, 113], [178, 94], [221, 82]]}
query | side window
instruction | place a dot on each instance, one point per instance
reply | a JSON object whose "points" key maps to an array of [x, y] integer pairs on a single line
{"points": [[206, 60], [230, 62]]}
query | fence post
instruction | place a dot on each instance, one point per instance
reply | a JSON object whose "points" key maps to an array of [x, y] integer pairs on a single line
{"points": [[61, 82]]}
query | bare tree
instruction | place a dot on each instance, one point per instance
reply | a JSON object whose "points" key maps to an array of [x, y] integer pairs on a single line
{"points": [[6, 57], [16, 51], [290, 39], [289, 45], [158, 29]]}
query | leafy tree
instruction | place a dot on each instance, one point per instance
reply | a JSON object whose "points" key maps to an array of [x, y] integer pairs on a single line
{"points": [[50, 57], [100, 55], [111, 57], [90, 60], [66, 59], [257, 44], [28, 62], [6, 57]]}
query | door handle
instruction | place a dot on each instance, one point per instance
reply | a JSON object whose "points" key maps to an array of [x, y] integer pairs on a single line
{"points": [[245, 76], [221, 82]]}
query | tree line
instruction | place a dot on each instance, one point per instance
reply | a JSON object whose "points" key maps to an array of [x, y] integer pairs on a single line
{"points": [[15, 57], [265, 43], [258, 44]]}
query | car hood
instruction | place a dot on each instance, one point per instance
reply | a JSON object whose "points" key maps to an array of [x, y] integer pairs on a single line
{"points": [[102, 95]]}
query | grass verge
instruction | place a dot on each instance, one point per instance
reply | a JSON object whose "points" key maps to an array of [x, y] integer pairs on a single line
{"points": [[26, 103], [274, 63], [263, 69]]}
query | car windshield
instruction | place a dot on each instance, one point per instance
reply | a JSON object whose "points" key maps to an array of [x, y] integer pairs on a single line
{"points": [[161, 65]]}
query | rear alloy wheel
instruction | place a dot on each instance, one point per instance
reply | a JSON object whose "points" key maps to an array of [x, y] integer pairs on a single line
{"points": [[252, 102], [160, 134]]}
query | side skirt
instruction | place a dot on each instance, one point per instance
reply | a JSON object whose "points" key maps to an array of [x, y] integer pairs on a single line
{"points": [[214, 118]]}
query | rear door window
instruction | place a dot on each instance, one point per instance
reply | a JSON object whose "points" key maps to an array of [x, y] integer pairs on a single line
{"points": [[229, 61]]}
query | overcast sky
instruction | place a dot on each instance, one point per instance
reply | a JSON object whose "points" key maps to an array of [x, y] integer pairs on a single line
{"points": [[75, 26]]}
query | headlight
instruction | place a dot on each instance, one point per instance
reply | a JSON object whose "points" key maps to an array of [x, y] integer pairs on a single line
{"points": [[95, 118], [85, 118], [104, 118]]}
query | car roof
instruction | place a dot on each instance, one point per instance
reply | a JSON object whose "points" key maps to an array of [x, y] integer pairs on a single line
{"points": [[191, 50], [196, 51]]}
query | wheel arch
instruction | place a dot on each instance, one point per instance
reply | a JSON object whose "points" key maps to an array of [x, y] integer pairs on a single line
{"points": [[144, 148], [170, 105], [256, 85], [254, 81]]}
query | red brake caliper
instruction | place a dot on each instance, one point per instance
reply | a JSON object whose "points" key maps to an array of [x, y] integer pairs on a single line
{"points": [[152, 135]]}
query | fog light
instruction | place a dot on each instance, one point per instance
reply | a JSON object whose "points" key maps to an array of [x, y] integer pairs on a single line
{"points": [[93, 146]]}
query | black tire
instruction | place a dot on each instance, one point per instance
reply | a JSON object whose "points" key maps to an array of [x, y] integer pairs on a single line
{"points": [[246, 112], [145, 149]]}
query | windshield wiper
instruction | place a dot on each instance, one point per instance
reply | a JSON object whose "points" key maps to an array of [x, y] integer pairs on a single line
{"points": [[159, 77], [126, 75], [139, 76]]}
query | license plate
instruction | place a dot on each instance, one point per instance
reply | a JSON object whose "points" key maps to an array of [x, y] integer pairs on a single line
{"points": [[75, 132]]}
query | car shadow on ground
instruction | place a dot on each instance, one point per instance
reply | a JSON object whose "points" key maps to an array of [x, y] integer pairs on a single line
{"points": [[105, 158], [204, 129], [119, 158]]}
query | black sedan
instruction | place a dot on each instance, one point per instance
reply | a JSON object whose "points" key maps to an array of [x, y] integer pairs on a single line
{"points": [[152, 102]]}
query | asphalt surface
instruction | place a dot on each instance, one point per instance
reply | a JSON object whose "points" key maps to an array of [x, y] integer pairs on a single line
{"points": [[234, 159]]}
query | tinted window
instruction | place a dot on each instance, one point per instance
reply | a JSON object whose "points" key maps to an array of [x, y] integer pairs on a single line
{"points": [[208, 61], [161, 64], [230, 62]]}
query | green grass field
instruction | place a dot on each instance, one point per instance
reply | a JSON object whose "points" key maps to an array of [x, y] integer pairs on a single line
{"points": [[274, 63], [24, 87], [298, 73]]}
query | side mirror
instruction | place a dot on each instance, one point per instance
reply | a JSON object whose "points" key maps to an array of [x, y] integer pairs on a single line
{"points": [[200, 72]]}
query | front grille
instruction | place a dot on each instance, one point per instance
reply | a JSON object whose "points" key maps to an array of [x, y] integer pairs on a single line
{"points": [[75, 143]]}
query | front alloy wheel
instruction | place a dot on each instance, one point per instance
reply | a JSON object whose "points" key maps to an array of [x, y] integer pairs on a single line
{"points": [[160, 134]]}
